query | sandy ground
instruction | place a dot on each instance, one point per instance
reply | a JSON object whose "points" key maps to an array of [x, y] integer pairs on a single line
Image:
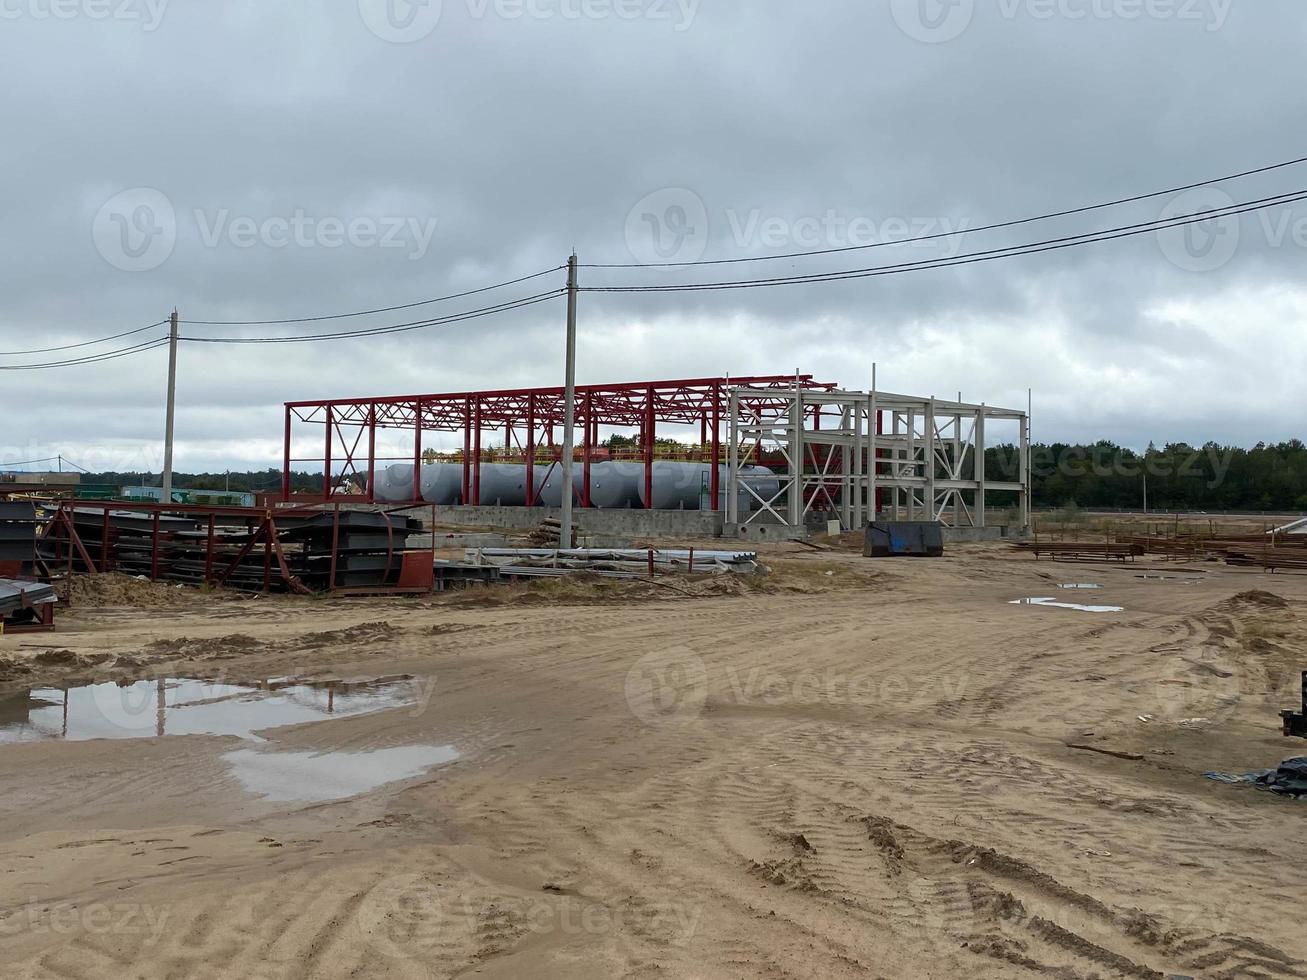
{"points": [[856, 769]]}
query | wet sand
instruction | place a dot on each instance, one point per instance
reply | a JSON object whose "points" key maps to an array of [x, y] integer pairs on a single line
{"points": [[864, 769]]}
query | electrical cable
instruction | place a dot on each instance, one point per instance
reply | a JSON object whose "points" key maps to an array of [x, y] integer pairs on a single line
{"points": [[87, 343], [394, 328], [386, 309], [90, 358], [1011, 251], [968, 231]]}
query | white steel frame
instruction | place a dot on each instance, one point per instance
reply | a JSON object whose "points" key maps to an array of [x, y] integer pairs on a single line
{"points": [[922, 452]]}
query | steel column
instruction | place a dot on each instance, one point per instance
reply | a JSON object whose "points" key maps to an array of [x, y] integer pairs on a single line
{"points": [[326, 464]]}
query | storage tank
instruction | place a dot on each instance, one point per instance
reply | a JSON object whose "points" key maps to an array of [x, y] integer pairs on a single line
{"points": [[394, 484], [549, 480], [442, 483], [615, 486], [763, 481], [684, 486], [502, 485], [677, 486]]}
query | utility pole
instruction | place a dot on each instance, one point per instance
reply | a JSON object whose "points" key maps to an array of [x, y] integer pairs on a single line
{"points": [[172, 400], [569, 406]]}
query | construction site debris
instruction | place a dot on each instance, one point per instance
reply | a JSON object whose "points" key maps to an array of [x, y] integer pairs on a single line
{"points": [[1287, 779], [612, 561]]}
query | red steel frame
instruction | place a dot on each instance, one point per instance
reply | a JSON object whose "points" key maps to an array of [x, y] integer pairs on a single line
{"points": [[524, 415]]}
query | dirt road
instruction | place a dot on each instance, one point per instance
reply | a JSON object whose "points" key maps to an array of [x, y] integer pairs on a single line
{"points": [[862, 770]]}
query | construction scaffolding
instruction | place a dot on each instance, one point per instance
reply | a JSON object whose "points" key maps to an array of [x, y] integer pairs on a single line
{"points": [[859, 455]]}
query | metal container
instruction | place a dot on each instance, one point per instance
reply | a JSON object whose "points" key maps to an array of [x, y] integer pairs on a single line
{"points": [[765, 483], [688, 486], [394, 484], [502, 485], [549, 480], [615, 486], [442, 483]]}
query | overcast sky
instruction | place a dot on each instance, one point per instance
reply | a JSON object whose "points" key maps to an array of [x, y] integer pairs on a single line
{"points": [[254, 160]]}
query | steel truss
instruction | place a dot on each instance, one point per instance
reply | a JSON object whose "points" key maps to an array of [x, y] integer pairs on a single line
{"points": [[858, 454], [528, 419]]}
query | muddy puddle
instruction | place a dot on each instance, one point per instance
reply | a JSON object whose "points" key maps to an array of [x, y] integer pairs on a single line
{"points": [[1088, 586], [186, 706], [315, 777], [1181, 579], [1077, 606]]}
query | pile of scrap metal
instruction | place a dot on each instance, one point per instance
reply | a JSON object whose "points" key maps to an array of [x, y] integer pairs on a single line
{"points": [[238, 548], [611, 562], [1273, 550], [1083, 550], [19, 527], [26, 607]]}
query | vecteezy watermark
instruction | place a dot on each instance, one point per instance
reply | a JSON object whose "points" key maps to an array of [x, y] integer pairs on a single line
{"points": [[93, 919], [669, 225], [1211, 240], [408, 21], [138, 230], [667, 687], [410, 916], [1208, 464], [670, 687], [673, 225], [940, 21], [147, 14], [401, 21]]}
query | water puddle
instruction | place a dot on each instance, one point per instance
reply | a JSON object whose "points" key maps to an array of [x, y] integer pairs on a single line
{"points": [[311, 777], [1054, 604], [182, 706], [1171, 578], [1080, 585]]}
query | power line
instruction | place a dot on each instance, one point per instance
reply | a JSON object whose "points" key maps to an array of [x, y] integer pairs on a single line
{"points": [[48, 459], [1011, 251], [393, 328], [89, 359], [968, 231], [87, 343], [386, 309]]}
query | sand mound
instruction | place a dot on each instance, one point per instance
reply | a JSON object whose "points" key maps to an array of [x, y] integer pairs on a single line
{"points": [[1256, 597], [115, 589]]}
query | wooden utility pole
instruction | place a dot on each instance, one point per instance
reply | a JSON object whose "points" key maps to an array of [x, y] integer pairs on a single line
{"points": [[569, 407], [171, 410]]}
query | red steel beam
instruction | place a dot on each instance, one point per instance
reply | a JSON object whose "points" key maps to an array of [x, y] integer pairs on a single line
{"points": [[631, 405]]}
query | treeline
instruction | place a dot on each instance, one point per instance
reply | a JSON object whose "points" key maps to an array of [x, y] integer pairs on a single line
{"points": [[1176, 477], [254, 481]]}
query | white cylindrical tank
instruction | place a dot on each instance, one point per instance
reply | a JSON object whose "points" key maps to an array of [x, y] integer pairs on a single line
{"points": [[502, 485], [764, 482], [677, 486], [688, 486], [394, 484], [549, 479], [615, 485], [442, 483]]}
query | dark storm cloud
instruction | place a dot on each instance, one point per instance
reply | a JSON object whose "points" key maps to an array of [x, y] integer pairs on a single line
{"points": [[323, 157]]}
